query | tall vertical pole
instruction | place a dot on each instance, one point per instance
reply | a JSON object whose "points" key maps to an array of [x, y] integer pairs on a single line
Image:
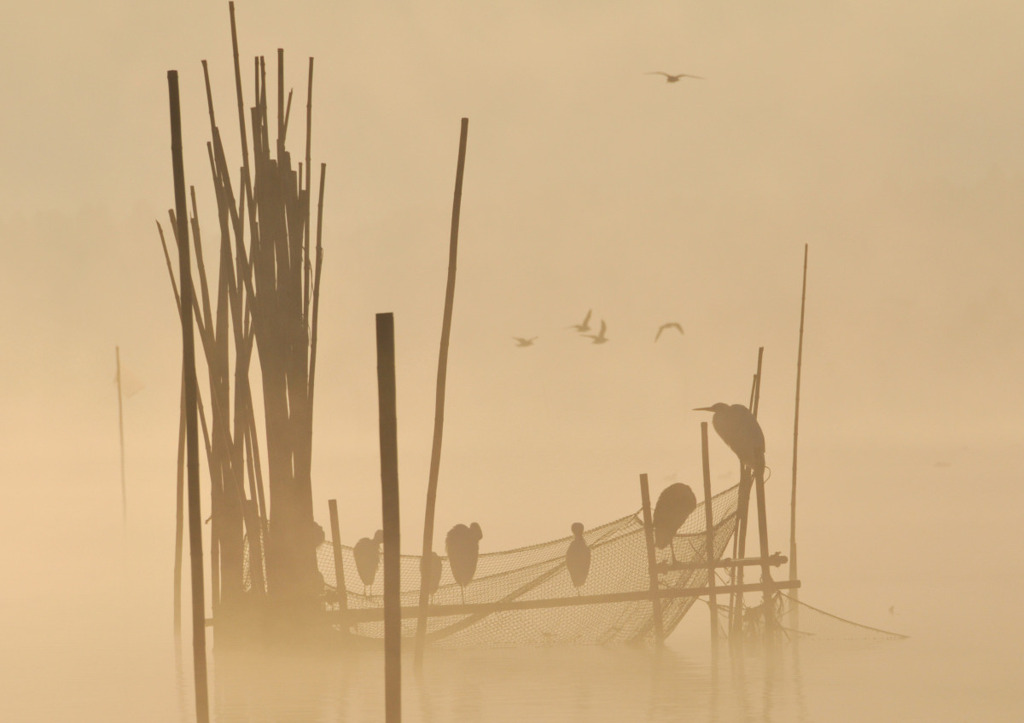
{"points": [[796, 429], [442, 374], [195, 525], [709, 543], [652, 565], [389, 502], [120, 427]]}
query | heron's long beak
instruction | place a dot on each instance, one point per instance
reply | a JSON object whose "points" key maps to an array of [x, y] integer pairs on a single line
{"points": [[703, 409]]}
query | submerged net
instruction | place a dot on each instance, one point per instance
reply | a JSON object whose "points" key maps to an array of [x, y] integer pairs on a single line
{"points": [[538, 572]]}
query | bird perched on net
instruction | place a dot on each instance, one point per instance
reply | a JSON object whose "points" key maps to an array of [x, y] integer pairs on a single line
{"points": [[463, 547], [669, 78], [367, 554], [599, 337], [577, 557], [739, 429], [674, 505], [432, 573]]}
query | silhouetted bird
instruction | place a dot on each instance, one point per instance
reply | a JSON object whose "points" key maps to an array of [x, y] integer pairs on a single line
{"points": [[675, 503], [432, 573], [585, 326], [674, 78], [739, 429], [599, 337], [520, 341], [463, 547], [367, 554], [577, 557], [670, 325]]}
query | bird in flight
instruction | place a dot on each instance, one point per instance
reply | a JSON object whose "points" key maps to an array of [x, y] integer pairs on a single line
{"points": [[674, 78], [670, 325], [585, 326], [599, 337], [520, 341]]}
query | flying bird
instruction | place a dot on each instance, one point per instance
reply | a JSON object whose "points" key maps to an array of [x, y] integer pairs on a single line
{"points": [[585, 326], [463, 547], [739, 429], [674, 78], [520, 341], [577, 557], [670, 325], [675, 503], [599, 337], [367, 554]]}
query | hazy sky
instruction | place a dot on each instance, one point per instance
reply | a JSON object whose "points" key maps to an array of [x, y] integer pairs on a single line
{"points": [[887, 136]]}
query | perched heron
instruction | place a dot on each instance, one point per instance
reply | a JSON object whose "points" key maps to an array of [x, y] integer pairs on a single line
{"points": [[432, 573], [463, 547], [670, 325], [520, 341], [675, 503], [599, 337], [674, 78], [585, 325], [577, 557], [739, 429], [367, 554]]}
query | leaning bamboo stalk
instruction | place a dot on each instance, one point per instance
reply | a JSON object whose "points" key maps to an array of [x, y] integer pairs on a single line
{"points": [[339, 565], [709, 540], [652, 563], [179, 509], [796, 430], [442, 373]]}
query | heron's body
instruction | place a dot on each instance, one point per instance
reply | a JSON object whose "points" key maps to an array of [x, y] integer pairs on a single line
{"points": [[599, 337], [367, 555], [577, 557], [432, 573], [674, 505], [739, 429], [463, 547]]}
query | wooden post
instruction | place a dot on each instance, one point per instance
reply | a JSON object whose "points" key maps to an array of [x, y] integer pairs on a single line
{"points": [[339, 567], [796, 429], [709, 524], [120, 427], [389, 502], [652, 565], [442, 374], [191, 424]]}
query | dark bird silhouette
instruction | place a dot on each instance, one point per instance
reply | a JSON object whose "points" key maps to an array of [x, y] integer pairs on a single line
{"points": [[739, 429], [599, 337], [670, 325], [675, 503], [520, 341], [585, 325], [463, 547], [674, 78], [577, 557], [367, 554], [432, 573]]}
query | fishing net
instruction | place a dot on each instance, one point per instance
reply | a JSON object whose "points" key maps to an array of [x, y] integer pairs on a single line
{"points": [[538, 572]]}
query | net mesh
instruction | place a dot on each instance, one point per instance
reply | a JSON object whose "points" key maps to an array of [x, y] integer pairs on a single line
{"points": [[538, 572]]}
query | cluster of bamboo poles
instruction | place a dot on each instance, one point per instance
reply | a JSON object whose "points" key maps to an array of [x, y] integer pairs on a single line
{"points": [[265, 295]]}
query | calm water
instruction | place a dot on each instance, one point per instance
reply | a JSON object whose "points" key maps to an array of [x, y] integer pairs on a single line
{"points": [[89, 639]]}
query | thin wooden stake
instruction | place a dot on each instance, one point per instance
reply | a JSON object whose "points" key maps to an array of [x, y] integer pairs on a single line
{"points": [[179, 513], [442, 374], [796, 429], [339, 567], [191, 424], [389, 502], [120, 427], [652, 563], [709, 524]]}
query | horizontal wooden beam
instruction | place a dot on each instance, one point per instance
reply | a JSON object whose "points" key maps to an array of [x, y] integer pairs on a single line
{"points": [[775, 560]]}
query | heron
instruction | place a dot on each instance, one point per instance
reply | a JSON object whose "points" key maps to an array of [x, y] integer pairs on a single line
{"points": [[599, 337], [669, 325], [367, 554], [432, 573], [520, 341], [577, 557], [463, 547], [675, 503], [585, 325], [739, 429], [674, 78]]}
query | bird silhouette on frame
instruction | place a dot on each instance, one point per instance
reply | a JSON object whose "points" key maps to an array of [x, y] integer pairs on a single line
{"points": [[431, 573], [463, 547], [367, 554], [584, 325], [520, 341], [674, 505], [669, 78], [599, 337], [577, 557], [670, 325], [739, 429]]}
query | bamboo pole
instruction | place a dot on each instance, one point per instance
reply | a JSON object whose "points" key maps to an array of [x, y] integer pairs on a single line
{"points": [[709, 544], [179, 511], [652, 564], [191, 427], [120, 428], [796, 429], [442, 374], [389, 503], [339, 567]]}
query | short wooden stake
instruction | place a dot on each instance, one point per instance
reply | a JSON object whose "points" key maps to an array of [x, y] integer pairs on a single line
{"points": [[652, 565]]}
